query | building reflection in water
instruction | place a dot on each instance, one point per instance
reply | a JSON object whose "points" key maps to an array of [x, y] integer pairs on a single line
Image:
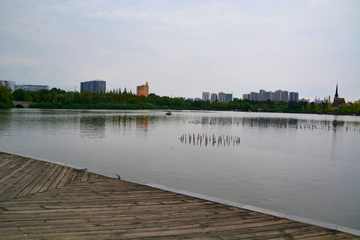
{"points": [[142, 122], [92, 127], [285, 123]]}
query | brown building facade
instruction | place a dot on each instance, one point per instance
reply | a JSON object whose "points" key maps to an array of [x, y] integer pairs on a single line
{"points": [[143, 90]]}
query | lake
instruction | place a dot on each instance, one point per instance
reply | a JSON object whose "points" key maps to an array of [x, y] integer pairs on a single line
{"points": [[307, 165]]}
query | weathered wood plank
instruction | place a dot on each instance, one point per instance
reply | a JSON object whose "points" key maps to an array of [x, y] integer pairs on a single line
{"points": [[50, 180], [58, 178], [78, 177], [85, 177], [20, 185], [65, 178], [13, 183], [14, 163], [13, 174], [34, 180], [72, 177], [45, 177]]}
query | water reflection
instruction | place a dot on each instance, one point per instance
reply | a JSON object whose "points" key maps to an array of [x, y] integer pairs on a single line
{"points": [[5, 119], [92, 127], [212, 140], [142, 122], [261, 122]]}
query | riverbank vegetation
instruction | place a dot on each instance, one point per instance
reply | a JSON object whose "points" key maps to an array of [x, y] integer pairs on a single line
{"points": [[118, 99]]}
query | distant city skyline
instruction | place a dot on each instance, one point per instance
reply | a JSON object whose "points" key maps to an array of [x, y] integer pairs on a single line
{"points": [[181, 46], [278, 95]]}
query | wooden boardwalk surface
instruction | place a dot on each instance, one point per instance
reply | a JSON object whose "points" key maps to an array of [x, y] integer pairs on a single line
{"points": [[40, 200]]}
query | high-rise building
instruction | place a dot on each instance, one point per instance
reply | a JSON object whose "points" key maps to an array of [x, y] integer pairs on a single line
{"points": [[228, 97], [221, 97], [31, 88], [97, 86], [9, 84], [294, 96], [270, 95], [143, 90], [213, 97], [262, 95], [206, 96], [254, 96], [278, 95], [285, 96]]}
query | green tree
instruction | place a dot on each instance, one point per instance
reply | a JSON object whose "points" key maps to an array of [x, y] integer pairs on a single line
{"points": [[328, 107], [5, 95], [246, 106], [19, 95]]}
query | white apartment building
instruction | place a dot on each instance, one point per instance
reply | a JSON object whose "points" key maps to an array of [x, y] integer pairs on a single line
{"points": [[9, 84]]}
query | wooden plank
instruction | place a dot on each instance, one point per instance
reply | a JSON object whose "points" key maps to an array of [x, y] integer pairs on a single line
{"points": [[78, 177], [72, 177], [12, 183], [14, 163], [35, 180], [58, 178], [52, 178], [4, 162], [24, 182], [13, 173], [45, 177], [91, 176], [65, 178], [85, 176]]}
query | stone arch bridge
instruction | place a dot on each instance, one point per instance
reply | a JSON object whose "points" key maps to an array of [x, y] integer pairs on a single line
{"points": [[22, 104]]}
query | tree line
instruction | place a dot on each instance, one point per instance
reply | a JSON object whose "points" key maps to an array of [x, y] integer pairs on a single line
{"points": [[123, 99]]}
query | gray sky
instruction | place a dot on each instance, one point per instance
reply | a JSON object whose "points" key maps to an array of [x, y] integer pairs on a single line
{"points": [[183, 48]]}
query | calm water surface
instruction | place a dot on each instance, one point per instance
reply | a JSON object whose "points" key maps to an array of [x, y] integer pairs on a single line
{"points": [[307, 165]]}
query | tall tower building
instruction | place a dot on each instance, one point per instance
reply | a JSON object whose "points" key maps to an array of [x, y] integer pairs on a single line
{"points": [[278, 95], [228, 97], [262, 95], [294, 96], [97, 86], [143, 90], [285, 96], [206, 96], [214, 97], [222, 97]]}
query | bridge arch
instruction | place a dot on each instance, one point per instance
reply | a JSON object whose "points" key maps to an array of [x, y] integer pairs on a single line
{"points": [[22, 104]]}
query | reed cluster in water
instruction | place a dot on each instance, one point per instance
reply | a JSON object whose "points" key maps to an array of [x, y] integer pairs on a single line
{"points": [[199, 139]]}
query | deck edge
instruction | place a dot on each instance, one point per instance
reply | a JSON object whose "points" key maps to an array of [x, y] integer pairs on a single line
{"points": [[332, 226], [47, 161]]}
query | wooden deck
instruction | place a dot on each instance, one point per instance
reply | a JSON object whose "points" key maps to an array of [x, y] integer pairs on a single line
{"points": [[40, 200]]}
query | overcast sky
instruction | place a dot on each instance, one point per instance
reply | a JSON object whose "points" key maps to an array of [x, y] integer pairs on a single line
{"points": [[183, 48]]}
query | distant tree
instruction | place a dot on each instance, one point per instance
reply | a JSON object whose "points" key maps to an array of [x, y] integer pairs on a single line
{"points": [[19, 95], [132, 101], [328, 107], [246, 106], [5, 95]]}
